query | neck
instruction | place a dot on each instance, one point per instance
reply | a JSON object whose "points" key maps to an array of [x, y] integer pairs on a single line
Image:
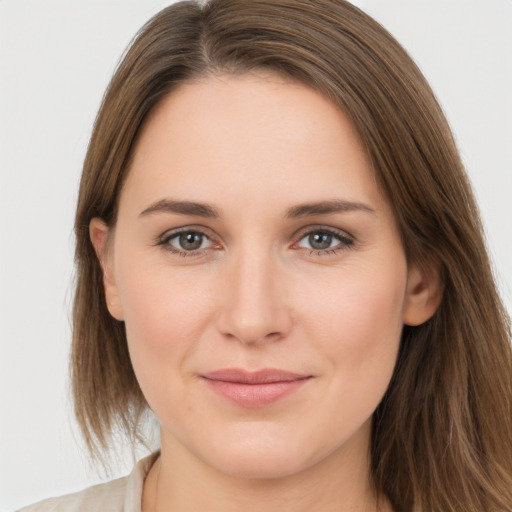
{"points": [[180, 482]]}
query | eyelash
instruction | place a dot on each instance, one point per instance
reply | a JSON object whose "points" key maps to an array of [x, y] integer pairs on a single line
{"points": [[346, 241]]}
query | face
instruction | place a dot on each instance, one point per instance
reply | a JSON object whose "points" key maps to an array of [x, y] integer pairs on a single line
{"points": [[260, 275]]}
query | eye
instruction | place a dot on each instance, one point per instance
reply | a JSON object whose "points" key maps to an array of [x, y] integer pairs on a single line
{"points": [[183, 242], [323, 240]]}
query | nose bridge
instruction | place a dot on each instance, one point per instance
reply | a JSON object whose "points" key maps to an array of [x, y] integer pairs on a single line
{"points": [[254, 309]]}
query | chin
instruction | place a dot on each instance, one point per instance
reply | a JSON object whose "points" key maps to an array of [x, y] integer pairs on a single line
{"points": [[263, 456]]}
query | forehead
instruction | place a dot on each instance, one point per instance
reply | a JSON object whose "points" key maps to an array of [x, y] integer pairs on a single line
{"points": [[254, 134]]}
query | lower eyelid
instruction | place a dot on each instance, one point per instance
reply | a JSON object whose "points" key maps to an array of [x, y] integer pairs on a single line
{"points": [[345, 241]]}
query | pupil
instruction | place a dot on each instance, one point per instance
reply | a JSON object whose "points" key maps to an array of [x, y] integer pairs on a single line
{"points": [[191, 241], [320, 240]]}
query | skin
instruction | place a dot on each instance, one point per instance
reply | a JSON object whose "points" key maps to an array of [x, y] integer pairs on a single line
{"points": [[258, 294]]}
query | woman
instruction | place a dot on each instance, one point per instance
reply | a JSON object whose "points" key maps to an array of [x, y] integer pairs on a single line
{"points": [[279, 254]]}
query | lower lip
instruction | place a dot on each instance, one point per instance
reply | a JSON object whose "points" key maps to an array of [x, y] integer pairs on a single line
{"points": [[255, 395]]}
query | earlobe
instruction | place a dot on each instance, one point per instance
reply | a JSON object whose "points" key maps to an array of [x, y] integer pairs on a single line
{"points": [[424, 294], [99, 235]]}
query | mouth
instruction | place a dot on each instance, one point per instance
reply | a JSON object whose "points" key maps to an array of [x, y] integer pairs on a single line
{"points": [[254, 389]]}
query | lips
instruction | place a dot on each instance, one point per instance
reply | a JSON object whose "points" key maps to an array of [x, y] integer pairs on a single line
{"points": [[254, 389]]}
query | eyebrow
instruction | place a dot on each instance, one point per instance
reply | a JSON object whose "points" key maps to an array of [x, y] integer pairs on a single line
{"points": [[327, 207], [183, 208], [302, 210]]}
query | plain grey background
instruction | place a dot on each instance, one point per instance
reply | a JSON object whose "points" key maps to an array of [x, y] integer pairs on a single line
{"points": [[56, 58]]}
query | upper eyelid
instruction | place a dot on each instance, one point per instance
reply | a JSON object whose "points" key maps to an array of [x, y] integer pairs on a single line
{"points": [[300, 233], [186, 229], [297, 235]]}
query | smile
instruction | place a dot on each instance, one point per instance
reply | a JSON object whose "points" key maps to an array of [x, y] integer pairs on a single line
{"points": [[254, 389]]}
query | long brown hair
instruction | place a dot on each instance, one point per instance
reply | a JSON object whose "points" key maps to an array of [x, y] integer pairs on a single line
{"points": [[442, 435]]}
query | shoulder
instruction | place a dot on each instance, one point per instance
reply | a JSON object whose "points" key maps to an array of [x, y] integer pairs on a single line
{"points": [[120, 495], [108, 497]]}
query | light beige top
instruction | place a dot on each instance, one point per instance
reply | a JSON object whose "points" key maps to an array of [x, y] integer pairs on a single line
{"points": [[121, 495]]}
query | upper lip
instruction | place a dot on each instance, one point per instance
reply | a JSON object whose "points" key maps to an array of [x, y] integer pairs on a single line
{"points": [[264, 376]]}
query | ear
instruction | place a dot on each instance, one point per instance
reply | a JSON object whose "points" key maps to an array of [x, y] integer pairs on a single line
{"points": [[424, 294], [99, 235]]}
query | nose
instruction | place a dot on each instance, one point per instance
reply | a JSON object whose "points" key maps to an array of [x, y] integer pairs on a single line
{"points": [[254, 308]]}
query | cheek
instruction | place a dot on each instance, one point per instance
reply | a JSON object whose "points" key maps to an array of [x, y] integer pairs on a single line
{"points": [[159, 302], [357, 303], [358, 325], [165, 315]]}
